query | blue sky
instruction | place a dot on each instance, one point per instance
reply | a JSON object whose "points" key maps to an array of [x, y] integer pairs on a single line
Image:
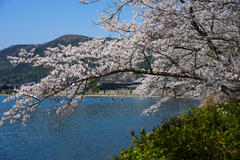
{"points": [[39, 21]]}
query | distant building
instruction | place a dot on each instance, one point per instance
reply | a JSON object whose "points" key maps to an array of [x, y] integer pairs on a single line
{"points": [[114, 85]]}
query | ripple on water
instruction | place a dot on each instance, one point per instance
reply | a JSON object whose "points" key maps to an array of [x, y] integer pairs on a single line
{"points": [[99, 129]]}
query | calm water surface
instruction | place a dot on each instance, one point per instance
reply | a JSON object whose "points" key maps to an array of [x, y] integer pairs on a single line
{"points": [[97, 131]]}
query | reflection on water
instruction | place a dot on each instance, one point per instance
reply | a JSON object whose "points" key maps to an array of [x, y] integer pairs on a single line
{"points": [[97, 130]]}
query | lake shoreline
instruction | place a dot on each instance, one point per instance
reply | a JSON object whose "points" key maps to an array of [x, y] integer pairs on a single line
{"points": [[6, 95], [120, 95], [113, 95], [102, 95]]}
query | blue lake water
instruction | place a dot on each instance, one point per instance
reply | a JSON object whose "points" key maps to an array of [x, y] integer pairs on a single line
{"points": [[98, 130]]}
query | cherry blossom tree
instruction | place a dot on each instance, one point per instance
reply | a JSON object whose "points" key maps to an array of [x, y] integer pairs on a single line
{"points": [[188, 46]]}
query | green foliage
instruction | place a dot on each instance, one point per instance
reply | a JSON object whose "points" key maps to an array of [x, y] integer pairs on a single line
{"points": [[211, 132], [93, 87]]}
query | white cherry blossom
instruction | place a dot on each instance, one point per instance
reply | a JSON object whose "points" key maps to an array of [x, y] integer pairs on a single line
{"points": [[182, 47]]}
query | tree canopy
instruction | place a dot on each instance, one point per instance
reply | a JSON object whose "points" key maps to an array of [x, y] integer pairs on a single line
{"points": [[188, 46]]}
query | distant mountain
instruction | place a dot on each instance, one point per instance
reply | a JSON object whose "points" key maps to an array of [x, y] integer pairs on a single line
{"points": [[25, 72]]}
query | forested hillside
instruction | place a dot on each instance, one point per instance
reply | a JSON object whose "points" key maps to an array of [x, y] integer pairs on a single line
{"points": [[25, 72]]}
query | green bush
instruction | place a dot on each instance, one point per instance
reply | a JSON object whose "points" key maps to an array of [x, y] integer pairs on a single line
{"points": [[210, 132]]}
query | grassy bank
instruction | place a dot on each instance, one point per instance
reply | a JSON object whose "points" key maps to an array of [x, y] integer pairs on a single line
{"points": [[209, 132]]}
